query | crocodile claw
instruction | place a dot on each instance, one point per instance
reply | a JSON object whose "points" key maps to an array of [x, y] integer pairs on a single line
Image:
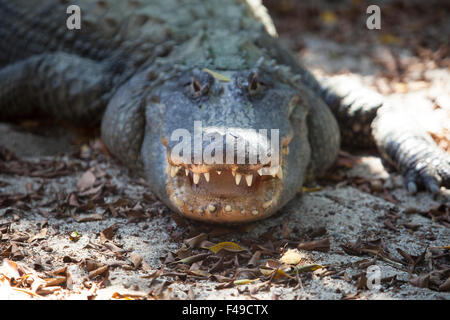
{"points": [[429, 174]]}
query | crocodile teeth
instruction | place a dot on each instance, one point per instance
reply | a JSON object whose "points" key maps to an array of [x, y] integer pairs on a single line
{"points": [[178, 202], [233, 173], [206, 174], [260, 172], [186, 171], [255, 212], [267, 204], [196, 178], [228, 208], [219, 172], [211, 208], [249, 179], [280, 173], [174, 170], [238, 178], [274, 171]]}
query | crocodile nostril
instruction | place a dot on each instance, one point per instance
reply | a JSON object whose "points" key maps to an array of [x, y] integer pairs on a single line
{"points": [[198, 88], [253, 86], [200, 83]]}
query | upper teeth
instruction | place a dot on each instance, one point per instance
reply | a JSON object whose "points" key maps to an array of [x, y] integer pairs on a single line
{"points": [[275, 171], [238, 178], [280, 173], [196, 178], [249, 179], [174, 171]]}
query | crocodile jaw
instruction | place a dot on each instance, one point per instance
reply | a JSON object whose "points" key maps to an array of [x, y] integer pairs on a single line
{"points": [[228, 195]]}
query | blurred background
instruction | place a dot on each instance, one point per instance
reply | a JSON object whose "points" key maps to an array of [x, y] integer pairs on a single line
{"points": [[407, 60]]}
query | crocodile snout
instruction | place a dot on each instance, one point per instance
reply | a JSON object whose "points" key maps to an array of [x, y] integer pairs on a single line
{"points": [[232, 194], [234, 178], [226, 140]]}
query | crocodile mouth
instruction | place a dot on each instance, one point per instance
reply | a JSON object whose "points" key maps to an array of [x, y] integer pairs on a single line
{"points": [[224, 193]]}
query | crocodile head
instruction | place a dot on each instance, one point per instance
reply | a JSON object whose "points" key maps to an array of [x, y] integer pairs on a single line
{"points": [[193, 153]]}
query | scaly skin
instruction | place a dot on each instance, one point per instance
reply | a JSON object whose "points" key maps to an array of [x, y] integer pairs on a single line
{"points": [[139, 68]]}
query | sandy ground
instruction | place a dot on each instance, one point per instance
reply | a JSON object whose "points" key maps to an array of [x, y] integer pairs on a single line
{"points": [[82, 227]]}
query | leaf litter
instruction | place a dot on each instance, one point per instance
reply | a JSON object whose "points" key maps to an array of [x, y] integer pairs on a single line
{"points": [[215, 254]]}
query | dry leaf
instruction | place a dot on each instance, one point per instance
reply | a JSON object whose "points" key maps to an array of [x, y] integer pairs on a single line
{"points": [[98, 271], [88, 217], [108, 233], [47, 290], [442, 247], [75, 236], [135, 259], [445, 286], [306, 189], [91, 191], [129, 296], [279, 273], [196, 241], [318, 245], [200, 273], [245, 281], [60, 271], [92, 264], [361, 282], [111, 246], [389, 38], [55, 281], [227, 246], [73, 200], [39, 236], [308, 268], [328, 17], [218, 76], [254, 260], [86, 181], [291, 257], [421, 281], [192, 259]]}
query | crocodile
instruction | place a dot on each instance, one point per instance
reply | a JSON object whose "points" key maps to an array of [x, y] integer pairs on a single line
{"points": [[143, 69]]}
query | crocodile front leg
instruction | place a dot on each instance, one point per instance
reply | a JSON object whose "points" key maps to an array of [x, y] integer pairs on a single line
{"points": [[60, 85], [411, 149], [400, 139], [364, 119]]}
